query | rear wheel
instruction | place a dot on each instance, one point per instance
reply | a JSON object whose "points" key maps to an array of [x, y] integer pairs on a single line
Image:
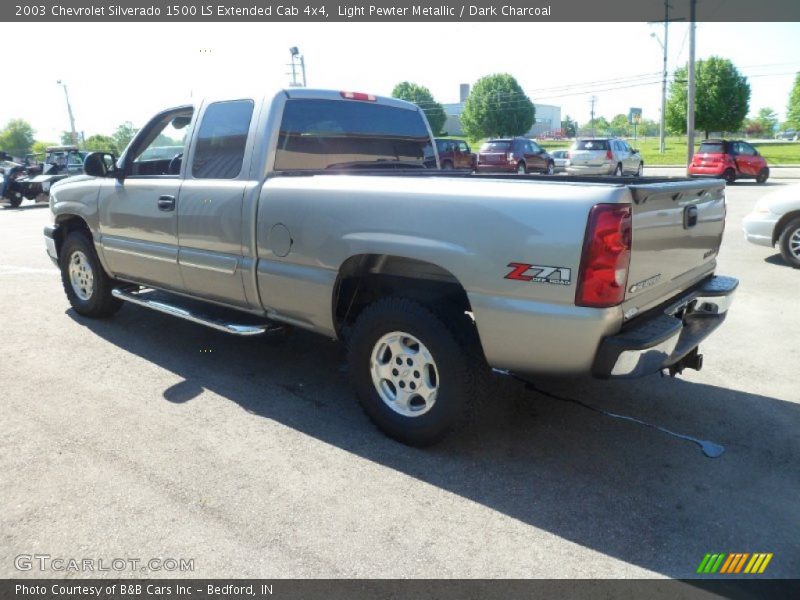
{"points": [[15, 200], [729, 176], [415, 374], [789, 243], [86, 284], [618, 170], [640, 170], [521, 169], [447, 165], [763, 175]]}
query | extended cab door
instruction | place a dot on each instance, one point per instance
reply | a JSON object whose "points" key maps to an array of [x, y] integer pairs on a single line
{"points": [[138, 212], [210, 219]]}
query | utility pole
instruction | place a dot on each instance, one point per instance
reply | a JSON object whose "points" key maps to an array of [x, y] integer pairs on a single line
{"points": [[592, 100], [662, 128], [73, 133], [691, 90]]}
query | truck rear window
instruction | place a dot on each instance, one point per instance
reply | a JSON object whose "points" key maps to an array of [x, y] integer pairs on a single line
{"points": [[342, 134]]}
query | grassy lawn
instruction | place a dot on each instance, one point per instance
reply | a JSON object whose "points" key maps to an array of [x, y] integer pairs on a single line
{"points": [[776, 153]]}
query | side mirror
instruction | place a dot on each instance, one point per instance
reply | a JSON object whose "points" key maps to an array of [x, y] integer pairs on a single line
{"points": [[635, 150], [100, 164]]}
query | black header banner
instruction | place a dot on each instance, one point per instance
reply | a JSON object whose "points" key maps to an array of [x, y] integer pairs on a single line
{"points": [[394, 589], [393, 10]]}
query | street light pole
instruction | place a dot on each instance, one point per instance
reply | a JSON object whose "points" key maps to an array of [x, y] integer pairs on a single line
{"points": [[691, 90], [297, 57], [73, 133], [662, 128]]}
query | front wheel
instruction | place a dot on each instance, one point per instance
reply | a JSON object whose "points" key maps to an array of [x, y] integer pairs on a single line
{"points": [[789, 243], [447, 165], [551, 169], [762, 176], [86, 284], [521, 169], [15, 200], [640, 170], [729, 176], [618, 171], [415, 377]]}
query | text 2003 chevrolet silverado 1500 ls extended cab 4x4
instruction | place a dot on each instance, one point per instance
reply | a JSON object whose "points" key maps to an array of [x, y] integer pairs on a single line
{"points": [[287, 208]]}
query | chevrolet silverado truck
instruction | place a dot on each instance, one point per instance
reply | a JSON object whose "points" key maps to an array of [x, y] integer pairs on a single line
{"points": [[314, 209]]}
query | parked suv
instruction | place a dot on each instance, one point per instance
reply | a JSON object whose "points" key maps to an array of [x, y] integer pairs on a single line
{"points": [[604, 156], [514, 155], [455, 154], [730, 160]]}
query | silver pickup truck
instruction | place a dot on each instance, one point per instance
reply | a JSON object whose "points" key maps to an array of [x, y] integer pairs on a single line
{"points": [[325, 210]]}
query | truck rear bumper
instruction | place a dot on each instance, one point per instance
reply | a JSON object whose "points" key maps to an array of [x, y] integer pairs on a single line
{"points": [[665, 337]]}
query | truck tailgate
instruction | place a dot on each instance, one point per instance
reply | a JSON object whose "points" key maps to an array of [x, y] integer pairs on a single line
{"points": [[677, 230]]}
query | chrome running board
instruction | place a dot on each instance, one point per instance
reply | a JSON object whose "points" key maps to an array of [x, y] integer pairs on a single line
{"points": [[140, 298]]}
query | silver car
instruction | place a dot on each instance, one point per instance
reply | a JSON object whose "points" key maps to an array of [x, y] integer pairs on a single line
{"points": [[604, 156], [560, 160], [776, 220]]}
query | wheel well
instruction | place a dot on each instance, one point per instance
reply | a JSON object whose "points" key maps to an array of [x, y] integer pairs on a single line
{"points": [[366, 278], [67, 224], [776, 233]]}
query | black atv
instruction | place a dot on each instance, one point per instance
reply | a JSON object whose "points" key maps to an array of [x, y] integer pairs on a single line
{"points": [[33, 181]]}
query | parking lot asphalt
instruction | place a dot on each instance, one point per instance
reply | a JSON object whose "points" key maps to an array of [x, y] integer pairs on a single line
{"points": [[145, 437]]}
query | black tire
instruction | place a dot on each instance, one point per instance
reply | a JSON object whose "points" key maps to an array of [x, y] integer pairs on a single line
{"points": [[15, 201], [618, 170], [460, 367], [99, 301], [729, 176], [789, 243], [550, 169], [640, 170], [762, 176], [522, 169], [447, 165]]}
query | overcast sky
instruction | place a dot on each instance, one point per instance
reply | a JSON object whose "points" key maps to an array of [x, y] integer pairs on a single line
{"points": [[126, 72]]}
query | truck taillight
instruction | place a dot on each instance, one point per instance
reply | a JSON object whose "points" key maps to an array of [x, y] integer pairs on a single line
{"points": [[609, 155], [358, 96], [606, 256]]}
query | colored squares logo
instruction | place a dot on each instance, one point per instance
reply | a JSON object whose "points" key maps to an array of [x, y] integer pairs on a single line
{"points": [[735, 563]]}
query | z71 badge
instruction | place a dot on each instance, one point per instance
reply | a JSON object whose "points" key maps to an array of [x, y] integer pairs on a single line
{"points": [[540, 274]]}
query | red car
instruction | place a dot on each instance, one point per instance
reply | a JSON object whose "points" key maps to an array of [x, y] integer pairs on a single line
{"points": [[514, 155], [455, 154], [730, 160]]}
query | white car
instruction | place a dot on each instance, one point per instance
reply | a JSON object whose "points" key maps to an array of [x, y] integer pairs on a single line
{"points": [[776, 220]]}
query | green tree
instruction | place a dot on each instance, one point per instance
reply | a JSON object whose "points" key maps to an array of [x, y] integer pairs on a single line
{"points": [[16, 138], [497, 106], [647, 127], [123, 135], [101, 143], [422, 97], [67, 139], [569, 127], [619, 125], [600, 126], [767, 120], [793, 108], [722, 97], [39, 148]]}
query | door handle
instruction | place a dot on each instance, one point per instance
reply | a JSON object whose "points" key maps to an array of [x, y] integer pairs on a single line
{"points": [[166, 203]]}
